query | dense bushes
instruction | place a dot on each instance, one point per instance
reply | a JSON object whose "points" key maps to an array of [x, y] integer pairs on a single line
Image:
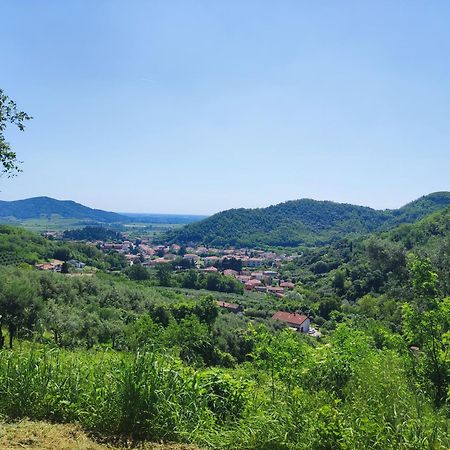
{"points": [[92, 233], [152, 363], [166, 275], [20, 246], [153, 396]]}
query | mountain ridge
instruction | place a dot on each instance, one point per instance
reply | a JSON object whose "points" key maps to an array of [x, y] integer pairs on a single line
{"points": [[36, 207], [302, 222]]}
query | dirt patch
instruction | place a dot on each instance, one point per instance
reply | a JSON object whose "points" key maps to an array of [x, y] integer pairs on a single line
{"points": [[46, 436]]}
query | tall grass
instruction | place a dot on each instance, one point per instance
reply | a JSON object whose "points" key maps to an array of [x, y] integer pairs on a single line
{"points": [[145, 396], [153, 396]]}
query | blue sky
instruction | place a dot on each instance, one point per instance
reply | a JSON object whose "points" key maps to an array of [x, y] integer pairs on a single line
{"points": [[199, 106]]}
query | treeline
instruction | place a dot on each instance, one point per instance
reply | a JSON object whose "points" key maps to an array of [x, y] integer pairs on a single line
{"points": [[170, 275], [37, 207], [92, 233], [19, 246], [301, 222], [72, 312]]}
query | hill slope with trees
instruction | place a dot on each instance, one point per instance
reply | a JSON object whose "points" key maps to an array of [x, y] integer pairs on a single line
{"points": [[301, 222], [19, 246], [37, 207], [373, 269]]}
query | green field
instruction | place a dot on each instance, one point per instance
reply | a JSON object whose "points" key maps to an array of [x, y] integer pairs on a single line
{"points": [[54, 223], [59, 224]]}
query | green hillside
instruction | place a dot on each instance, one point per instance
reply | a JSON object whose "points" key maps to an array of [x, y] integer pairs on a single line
{"points": [[39, 207], [419, 208], [376, 264], [123, 358], [301, 222], [19, 246]]}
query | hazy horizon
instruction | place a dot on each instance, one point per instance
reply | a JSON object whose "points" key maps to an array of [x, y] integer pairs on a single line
{"points": [[157, 213], [193, 108]]}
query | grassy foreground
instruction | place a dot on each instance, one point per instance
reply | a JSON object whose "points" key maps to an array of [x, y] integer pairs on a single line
{"points": [[348, 396]]}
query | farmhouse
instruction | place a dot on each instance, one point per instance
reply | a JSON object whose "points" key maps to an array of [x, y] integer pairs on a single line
{"points": [[229, 306], [287, 285], [251, 284], [54, 265], [75, 263], [298, 321]]}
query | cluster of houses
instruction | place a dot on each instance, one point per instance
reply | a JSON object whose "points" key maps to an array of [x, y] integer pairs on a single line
{"points": [[255, 269], [211, 260], [201, 257], [266, 281], [248, 257]]}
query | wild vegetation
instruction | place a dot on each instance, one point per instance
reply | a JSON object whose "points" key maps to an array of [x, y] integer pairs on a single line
{"points": [[46, 206], [9, 115], [301, 222], [20, 246], [126, 359], [92, 233], [371, 273]]}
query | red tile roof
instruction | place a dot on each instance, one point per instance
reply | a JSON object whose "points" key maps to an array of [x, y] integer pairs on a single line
{"points": [[275, 289], [227, 305], [292, 318], [253, 282], [230, 272]]}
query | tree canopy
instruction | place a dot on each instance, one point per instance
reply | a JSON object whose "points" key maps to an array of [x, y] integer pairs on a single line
{"points": [[9, 115], [302, 222]]}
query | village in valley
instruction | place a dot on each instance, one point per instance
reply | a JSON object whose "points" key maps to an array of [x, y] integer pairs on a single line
{"points": [[257, 270]]}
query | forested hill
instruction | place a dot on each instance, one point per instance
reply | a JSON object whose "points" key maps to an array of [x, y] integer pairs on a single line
{"points": [[301, 222], [420, 208], [38, 207], [375, 265]]}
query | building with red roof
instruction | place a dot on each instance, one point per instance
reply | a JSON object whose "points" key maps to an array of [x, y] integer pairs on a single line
{"points": [[250, 284], [230, 306], [300, 322]]}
